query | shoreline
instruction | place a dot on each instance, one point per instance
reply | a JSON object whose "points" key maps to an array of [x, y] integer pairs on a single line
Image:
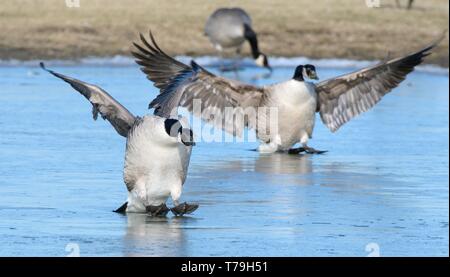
{"points": [[214, 61]]}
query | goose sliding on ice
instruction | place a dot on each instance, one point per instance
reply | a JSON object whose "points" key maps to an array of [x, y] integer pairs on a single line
{"points": [[158, 151], [337, 100]]}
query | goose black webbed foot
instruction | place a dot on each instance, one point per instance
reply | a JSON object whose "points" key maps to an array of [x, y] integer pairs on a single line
{"points": [[157, 211], [122, 209], [295, 151], [306, 149], [184, 208], [311, 150]]}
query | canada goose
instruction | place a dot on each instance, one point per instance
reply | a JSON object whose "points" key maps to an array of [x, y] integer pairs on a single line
{"points": [[337, 99], [158, 151], [230, 28]]}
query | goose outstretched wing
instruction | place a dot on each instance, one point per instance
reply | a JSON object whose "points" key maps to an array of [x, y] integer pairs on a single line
{"points": [[181, 84], [342, 98], [119, 117]]}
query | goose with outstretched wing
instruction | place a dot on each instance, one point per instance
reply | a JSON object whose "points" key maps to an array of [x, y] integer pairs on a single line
{"points": [[157, 155], [282, 114]]}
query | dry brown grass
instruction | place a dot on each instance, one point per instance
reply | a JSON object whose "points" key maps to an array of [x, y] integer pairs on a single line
{"points": [[43, 29]]}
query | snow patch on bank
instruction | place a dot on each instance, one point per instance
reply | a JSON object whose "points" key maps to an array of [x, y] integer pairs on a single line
{"points": [[213, 61]]}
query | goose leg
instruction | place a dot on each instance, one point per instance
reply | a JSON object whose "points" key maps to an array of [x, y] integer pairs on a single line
{"points": [[184, 208], [223, 66], [160, 210], [237, 59]]}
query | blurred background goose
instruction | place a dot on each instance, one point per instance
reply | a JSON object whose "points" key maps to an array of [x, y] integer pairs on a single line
{"points": [[158, 151], [296, 101], [229, 28]]}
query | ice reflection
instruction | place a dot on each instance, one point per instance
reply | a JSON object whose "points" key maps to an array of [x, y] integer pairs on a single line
{"points": [[151, 236]]}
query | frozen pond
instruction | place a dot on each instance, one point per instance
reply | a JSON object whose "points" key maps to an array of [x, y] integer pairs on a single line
{"points": [[383, 184]]}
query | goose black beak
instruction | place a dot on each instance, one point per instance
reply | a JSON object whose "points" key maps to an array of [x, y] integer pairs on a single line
{"points": [[187, 137], [189, 143], [313, 76]]}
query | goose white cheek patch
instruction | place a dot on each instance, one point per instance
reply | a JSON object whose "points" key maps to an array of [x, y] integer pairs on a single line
{"points": [[260, 60]]}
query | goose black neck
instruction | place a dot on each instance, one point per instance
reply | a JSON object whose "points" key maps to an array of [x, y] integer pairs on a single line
{"points": [[298, 74], [250, 36]]}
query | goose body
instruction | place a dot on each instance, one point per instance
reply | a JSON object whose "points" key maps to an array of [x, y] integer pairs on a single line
{"points": [[156, 164], [296, 103], [226, 28], [158, 151]]}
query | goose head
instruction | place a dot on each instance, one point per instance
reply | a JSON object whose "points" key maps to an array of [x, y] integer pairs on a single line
{"points": [[174, 129], [307, 70], [262, 61]]}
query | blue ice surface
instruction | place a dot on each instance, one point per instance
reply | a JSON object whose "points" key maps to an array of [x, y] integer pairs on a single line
{"points": [[383, 185]]}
